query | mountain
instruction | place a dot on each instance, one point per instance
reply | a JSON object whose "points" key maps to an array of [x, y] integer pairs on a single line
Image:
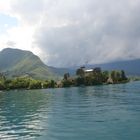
{"points": [[131, 67], [15, 62]]}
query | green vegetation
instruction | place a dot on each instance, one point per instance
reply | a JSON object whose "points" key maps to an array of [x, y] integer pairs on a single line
{"points": [[94, 77], [25, 83], [83, 78], [19, 63]]}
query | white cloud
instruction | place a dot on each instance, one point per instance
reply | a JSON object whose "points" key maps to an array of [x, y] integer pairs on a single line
{"points": [[71, 32], [5, 6], [22, 33]]}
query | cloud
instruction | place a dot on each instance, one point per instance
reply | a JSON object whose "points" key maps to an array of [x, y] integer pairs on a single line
{"points": [[72, 32], [93, 31], [29, 12], [11, 44]]}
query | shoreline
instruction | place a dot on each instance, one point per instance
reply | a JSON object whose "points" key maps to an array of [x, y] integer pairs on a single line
{"points": [[84, 86]]}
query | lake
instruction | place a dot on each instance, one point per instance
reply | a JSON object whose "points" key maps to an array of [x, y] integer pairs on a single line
{"points": [[109, 112]]}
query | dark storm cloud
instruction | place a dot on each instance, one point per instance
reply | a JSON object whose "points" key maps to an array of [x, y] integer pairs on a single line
{"points": [[72, 32]]}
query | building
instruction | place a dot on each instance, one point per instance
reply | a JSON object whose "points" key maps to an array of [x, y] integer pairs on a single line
{"points": [[92, 71]]}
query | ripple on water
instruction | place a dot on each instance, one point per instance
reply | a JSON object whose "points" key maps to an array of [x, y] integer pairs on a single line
{"points": [[91, 113]]}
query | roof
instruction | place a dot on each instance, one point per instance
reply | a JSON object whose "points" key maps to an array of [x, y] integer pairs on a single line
{"points": [[89, 70]]}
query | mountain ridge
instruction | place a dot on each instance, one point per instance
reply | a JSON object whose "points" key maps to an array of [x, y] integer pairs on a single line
{"points": [[16, 62], [131, 67]]}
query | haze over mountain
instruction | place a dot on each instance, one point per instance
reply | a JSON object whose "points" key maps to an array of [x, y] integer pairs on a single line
{"points": [[131, 67], [15, 62]]}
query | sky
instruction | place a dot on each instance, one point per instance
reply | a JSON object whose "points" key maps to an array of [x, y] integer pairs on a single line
{"points": [[66, 33]]}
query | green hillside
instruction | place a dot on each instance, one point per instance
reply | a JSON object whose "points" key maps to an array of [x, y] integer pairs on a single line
{"points": [[15, 62]]}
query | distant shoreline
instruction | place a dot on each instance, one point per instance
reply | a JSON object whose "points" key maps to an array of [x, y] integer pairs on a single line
{"points": [[104, 84]]}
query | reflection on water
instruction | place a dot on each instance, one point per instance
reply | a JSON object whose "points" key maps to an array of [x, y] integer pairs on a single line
{"points": [[21, 113], [109, 112]]}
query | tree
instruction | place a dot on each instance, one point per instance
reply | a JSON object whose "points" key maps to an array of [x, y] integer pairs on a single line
{"points": [[51, 84], [34, 84], [88, 80], [45, 84], [66, 76], [67, 83], [123, 76], [105, 76], [80, 81], [118, 76], [80, 72], [18, 83], [2, 86]]}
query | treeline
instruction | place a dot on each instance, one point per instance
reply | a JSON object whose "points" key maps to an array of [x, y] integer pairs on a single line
{"points": [[25, 83], [82, 78], [94, 77]]}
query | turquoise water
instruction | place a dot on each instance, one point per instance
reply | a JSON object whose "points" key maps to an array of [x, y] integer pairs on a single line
{"points": [[110, 112]]}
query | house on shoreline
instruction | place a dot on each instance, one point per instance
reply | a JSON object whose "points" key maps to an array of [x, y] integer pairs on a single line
{"points": [[94, 76], [90, 71]]}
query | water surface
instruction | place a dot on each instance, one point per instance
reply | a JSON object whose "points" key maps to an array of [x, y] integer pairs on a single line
{"points": [[110, 112]]}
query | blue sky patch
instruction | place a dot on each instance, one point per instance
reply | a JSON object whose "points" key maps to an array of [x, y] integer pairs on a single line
{"points": [[7, 22]]}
